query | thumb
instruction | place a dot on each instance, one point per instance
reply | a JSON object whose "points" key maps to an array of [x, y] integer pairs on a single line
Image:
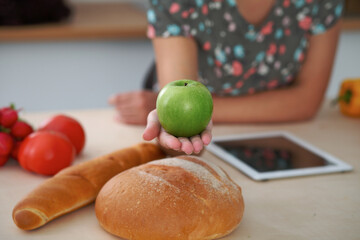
{"points": [[153, 126]]}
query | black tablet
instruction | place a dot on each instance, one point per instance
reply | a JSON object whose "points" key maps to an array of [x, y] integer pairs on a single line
{"points": [[270, 155]]}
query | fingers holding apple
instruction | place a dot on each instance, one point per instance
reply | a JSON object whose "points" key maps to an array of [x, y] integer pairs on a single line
{"points": [[206, 135], [182, 120], [184, 108], [197, 144], [182, 145], [186, 145], [154, 130], [169, 141], [153, 126]]}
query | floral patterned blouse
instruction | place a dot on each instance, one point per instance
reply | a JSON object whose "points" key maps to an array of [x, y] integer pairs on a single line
{"points": [[236, 57]]}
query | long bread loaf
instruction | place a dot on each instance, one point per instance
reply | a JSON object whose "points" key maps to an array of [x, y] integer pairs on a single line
{"points": [[78, 185]]}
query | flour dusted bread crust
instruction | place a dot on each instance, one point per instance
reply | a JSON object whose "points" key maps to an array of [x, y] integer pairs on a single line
{"points": [[173, 198], [78, 185]]}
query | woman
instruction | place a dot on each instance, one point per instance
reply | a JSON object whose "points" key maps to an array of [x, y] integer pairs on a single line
{"points": [[264, 61]]}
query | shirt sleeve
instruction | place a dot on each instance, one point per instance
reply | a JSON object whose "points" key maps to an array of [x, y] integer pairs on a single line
{"points": [[168, 18], [326, 14]]}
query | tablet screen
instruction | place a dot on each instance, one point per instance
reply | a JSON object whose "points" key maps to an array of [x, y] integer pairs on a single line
{"points": [[268, 154]]}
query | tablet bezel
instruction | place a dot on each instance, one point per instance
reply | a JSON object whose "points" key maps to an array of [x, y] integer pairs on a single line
{"points": [[336, 166]]}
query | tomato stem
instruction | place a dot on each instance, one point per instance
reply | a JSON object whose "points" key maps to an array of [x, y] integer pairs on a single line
{"points": [[12, 106], [5, 130]]}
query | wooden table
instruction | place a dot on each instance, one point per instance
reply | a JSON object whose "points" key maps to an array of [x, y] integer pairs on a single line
{"points": [[315, 207]]}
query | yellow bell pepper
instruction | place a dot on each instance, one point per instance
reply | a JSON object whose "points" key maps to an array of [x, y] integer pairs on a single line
{"points": [[349, 97]]}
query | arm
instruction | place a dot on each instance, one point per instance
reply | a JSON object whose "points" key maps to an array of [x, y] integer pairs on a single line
{"points": [[177, 58], [295, 103]]}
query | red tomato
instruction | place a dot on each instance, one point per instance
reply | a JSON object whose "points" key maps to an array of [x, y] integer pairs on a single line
{"points": [[3, 160], [15, 150], [68, 126], [6, 144], [46, 152]]}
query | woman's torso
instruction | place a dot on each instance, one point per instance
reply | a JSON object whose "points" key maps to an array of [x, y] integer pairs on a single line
{"points": [[237, 57]]}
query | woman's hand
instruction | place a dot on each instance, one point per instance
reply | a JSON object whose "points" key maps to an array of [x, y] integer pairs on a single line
{"points": [[133, 107], [187, 145]]}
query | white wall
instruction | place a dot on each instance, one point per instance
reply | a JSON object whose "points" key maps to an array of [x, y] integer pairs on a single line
{"points": [[347, 63], [70, 75], [74, 75]]}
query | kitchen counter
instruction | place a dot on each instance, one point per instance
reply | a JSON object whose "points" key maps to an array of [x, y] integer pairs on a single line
{"points": [[312, 207], [101, 20], [89, 21]]}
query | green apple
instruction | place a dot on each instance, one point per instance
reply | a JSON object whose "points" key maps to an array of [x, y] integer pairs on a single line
{"points": [[184, 107]]}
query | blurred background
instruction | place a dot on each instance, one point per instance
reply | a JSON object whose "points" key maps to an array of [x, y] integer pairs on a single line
{"points": [[75, 54]]}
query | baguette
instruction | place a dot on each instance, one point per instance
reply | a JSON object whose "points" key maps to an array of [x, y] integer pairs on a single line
{"points": [[78, 185]]}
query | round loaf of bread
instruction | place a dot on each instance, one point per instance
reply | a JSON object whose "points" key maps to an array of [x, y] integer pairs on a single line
{"points": [[172, 198]]}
